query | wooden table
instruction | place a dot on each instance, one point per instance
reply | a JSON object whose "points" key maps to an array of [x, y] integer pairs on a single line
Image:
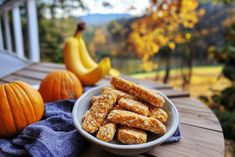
{"points": [[202, 135]]}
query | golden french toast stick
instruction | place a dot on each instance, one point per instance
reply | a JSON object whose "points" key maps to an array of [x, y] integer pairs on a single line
{"points": [[120, 93], [134, 106], [99, 111], [149, 96], [106, 132], [135, 120], [129, 135], [158, 113]]}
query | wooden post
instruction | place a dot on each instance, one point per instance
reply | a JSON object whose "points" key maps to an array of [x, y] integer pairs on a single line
{"points": [[1, 38], [33, 31], [18, 32], [7, 32], [1, 35]]}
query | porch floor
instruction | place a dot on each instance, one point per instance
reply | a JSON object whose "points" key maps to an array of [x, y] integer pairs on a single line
{"points": [[10, 64]]}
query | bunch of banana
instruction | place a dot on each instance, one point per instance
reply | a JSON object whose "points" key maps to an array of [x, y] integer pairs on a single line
{"points": [[78, 60]]}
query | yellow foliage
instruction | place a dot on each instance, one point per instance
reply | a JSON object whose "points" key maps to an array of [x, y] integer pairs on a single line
{"points": [[148, 66], [99, 36], [188, 36], [160, 26], [171, 45]]}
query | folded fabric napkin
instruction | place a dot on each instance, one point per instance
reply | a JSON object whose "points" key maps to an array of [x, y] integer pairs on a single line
{"points": [[175, 137], [53, 136]]}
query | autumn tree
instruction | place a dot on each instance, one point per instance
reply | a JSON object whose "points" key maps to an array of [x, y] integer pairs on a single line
{"points": [[166, 24]]}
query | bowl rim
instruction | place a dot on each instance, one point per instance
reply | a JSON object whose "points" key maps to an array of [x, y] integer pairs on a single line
{"points": [[93, 139]]}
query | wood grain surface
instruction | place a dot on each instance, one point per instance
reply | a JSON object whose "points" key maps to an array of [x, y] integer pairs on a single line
{"points": [[202, 134]]}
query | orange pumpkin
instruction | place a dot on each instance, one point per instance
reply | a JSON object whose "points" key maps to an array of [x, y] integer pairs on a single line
{"points": [[20, 105], [60, 85]]}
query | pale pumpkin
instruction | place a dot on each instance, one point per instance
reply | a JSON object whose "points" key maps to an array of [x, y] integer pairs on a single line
{"points": [[59, 85], [20, 105]]}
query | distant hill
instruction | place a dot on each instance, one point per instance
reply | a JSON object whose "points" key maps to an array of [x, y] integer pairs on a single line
{"points": [[102, 19]]}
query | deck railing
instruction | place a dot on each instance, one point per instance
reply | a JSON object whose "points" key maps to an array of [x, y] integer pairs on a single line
{"points": [[8, 37]]}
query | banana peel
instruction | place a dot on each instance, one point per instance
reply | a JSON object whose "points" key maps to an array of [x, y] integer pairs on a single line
{"points": [[114, 72], [86, 59], [96, 74], [73, 62]]}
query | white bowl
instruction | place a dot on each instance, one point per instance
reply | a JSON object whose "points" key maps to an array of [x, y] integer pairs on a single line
{"points": [[83, 104]]}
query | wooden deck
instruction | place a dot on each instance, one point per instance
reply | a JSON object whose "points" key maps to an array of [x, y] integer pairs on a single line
{"points": [[201, 131], [10, 63]]}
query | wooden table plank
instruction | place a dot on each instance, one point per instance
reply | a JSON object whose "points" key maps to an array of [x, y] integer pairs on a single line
{"points": [[194, 112], [94, 151], [53, 65], [39, 68], [105, 82], [48, 67], [196, 142], [173, 93], [20, 78], [148, 83], [31, 74]]}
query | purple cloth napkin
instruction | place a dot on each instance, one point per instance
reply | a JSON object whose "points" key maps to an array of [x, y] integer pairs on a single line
{"points": [[175, 137], [53, 136]]}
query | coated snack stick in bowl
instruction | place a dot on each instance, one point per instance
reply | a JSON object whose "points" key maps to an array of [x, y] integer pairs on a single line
{"points": [[129, 135], [121, 94], [99, 111], [117, 107], [96, 98], [106, 132], [135, 120], [158, 113], [147, 95], [85, 115], [134, 106]]}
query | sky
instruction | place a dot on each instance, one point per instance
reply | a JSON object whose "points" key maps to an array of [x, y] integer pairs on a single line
{"points": [[133, 7]]}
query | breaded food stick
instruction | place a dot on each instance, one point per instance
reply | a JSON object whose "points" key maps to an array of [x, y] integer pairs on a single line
{"points": [[135, 120], [98, 112], [120, 93], [93, 100], [85, 115], [129, 135], [134, 106], [96, 98], [158, 113], [106, 132], [117, 107], [106, 121], [147, 95]]}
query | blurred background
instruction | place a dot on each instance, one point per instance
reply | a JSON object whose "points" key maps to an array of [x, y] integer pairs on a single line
{"points": [[189, 44]]}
